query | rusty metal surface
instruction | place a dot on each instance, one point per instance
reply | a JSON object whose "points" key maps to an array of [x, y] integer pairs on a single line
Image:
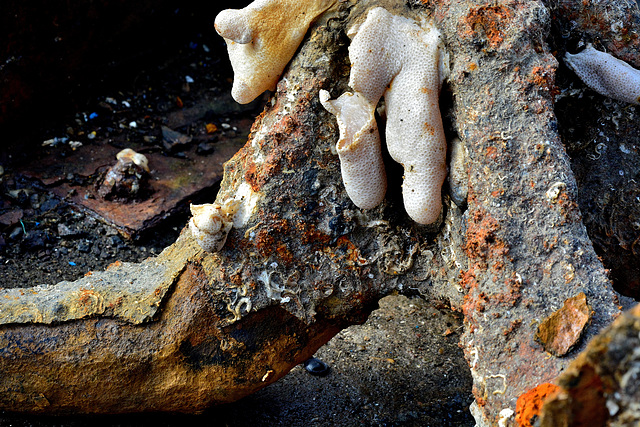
{"points": [[306, 261], [173, 180], [127, 291]]}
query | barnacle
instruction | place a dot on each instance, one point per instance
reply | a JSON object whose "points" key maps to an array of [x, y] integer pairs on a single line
{"points": [[212, 222]]}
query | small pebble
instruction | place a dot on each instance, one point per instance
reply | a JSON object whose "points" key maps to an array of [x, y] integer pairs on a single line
{"points": [[316, 367], [205, 148], [15, 233]]}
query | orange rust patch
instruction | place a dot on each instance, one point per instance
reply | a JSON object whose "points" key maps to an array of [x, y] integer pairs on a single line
{"points": [[482, 243], [491, 152], [352, 253], [488, 21], [309, 234], [87, 297], [345, 253], [529, 403], [468, 279], [513, 326], [543, 77], [429, 129], [256, 175], [114, 264], [267, 243]]}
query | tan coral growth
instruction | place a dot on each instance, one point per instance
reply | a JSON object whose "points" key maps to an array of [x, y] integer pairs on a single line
{"points": [[261, 40]]}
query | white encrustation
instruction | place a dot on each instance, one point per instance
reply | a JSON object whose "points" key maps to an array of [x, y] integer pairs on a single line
{"points": [[403, 60], [606, 74]]}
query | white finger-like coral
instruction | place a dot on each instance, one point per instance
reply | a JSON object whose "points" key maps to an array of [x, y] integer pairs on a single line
{"points": [[211, 223], [261, 40], [395, 57], [606, 74], [359, 148]]}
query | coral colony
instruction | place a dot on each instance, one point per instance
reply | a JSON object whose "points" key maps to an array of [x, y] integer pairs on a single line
{"points": [[606, 74], [395, 57], [391, 56], [261, 40]]}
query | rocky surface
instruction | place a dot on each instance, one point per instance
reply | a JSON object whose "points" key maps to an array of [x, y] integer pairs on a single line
{"points": [[306, 263], [376, 377]]}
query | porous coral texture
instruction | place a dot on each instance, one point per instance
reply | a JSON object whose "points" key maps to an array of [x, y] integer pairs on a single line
{"points": [[359, 150], [211, 223], [261, 40], [606, 74], [395, 52]]}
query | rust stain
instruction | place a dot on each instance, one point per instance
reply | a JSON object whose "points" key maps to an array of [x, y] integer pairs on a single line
{"points": [[491, 152], [429, 129], [267, 241], [530, 403], [351, 252], [482, 243], [114, 264], [488, 22]]}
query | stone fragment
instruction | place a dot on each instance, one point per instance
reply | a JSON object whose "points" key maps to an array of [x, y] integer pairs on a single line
{"points": [[602, 385], [11, 217], [560, 332], [174, 141]]}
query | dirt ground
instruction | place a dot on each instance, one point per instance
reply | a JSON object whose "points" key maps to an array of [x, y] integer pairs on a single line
{"points": [[402, 367]]}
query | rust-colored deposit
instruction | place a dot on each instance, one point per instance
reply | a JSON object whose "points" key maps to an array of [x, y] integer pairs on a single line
{"points": [[172, 181], [482, 242], [488, 23], [529, 404]]}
